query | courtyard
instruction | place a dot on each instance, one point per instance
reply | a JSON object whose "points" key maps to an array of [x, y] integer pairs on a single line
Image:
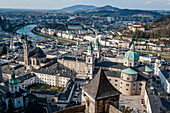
{"points": [[46, 87], [132, 102]]}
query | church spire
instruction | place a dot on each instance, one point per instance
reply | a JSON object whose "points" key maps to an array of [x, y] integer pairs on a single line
{"points": [[90, 49], [26, 50], [132, 47]]}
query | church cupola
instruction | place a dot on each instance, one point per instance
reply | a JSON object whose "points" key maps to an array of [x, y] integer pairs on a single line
{"points": [[131, 57], [13, 83], [90, 49], [132, 47], [97, 50]]}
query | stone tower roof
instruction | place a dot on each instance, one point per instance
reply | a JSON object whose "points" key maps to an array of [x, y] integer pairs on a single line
{"points": [[100, 87]]}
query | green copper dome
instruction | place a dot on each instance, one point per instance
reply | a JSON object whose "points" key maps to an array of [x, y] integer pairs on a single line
{"points": [[13, 80], [131, 55], [129, 71], [148, 69]]}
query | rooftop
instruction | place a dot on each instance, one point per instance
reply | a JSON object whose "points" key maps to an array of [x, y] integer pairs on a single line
{"points": [[100, 87], [129, 71]]}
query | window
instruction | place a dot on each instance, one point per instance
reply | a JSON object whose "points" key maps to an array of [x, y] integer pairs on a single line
{"points": [[127, 89], [115, 84], [130, 64], [116, 80], [148, 81], [128, 78], [121, 83], [127, 84], [140, 84], [133, 89], [18, 102], [133, 84], [122, 76], [139, 88]]}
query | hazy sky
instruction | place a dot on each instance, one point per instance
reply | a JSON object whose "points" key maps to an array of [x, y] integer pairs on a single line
{"points": [[57, 4]]}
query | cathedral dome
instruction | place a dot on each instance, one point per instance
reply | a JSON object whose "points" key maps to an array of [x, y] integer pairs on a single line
{"points": [[132, 54]]}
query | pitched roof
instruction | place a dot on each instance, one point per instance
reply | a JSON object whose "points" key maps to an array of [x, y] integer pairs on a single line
{"points": [[100, 87], [129, 71], [148, 69], [37, 53]]}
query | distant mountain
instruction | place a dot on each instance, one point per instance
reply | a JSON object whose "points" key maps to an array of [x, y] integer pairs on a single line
{"points": [[106, 8], [77, 8], [113, 11]]}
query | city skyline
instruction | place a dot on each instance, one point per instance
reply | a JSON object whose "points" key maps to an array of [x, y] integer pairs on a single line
{"points": [[57, 4]]}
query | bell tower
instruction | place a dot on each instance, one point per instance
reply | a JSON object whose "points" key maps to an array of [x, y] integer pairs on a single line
{"points": [[157, 64], [97, 50], [13, 83], [26, 51], [90, 62]]}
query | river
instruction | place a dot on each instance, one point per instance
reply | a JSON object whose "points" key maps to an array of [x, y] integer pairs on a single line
{"points": [[27, 29]]}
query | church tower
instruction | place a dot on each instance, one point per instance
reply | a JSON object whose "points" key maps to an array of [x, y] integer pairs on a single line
{"points": [[13, 84], [26, 51], [131, 57], [90, 62], [157, 64], [97, 50]]}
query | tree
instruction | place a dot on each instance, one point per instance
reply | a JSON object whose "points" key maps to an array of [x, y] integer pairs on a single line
{"points": [[126, 110], [4, 49], [10, 107]]}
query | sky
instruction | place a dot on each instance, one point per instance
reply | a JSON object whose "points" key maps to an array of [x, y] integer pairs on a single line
{"points": [[58, 4]]}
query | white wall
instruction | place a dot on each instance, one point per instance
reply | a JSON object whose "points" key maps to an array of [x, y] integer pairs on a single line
{"points": [[164, 81]]}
